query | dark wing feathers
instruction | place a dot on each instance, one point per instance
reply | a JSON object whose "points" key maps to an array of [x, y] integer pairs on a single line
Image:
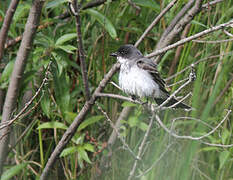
{"points": [[151, 67]]}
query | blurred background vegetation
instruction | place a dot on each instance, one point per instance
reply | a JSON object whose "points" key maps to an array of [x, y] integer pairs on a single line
{"points": [[104, 29]]}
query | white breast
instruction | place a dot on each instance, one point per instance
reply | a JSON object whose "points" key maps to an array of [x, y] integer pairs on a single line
{"points": [[136, 81]]}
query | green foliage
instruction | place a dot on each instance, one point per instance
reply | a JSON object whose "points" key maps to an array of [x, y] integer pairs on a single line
{"points": [[89, 121], [13, 171], [104, 29], [104, 21]]}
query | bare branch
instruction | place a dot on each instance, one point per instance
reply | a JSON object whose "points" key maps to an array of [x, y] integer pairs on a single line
{"points": [[191, 137], [181, 13], [211, 3], [227, 33], [116, 96], [20, 114], [156, 162], [156, 20], [217, 145], [174, 93], [181, 42], [213, 42], [80, 50], [6, 25], [179, 25], [134, 5], [141, 147], [116, 131], [197, 62]]}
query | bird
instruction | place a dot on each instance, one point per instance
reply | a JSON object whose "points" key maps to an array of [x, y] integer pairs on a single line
{"points": [[139, 77]]}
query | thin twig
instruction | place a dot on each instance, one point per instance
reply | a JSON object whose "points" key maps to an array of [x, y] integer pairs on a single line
{"points": [[211, 3], [191, 137], [213, 42], [20, 114], [181, 100], [217, 145], [134, 5], [141, 147], [156, 162], [178, 82], [116, 96], [227, 33], [197, 62], [115, 129], [174, 93]]}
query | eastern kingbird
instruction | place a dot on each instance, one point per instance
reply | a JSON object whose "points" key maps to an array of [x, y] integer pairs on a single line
{"points": [[139, 76]]}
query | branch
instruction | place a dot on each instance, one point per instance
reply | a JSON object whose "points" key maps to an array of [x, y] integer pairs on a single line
{"points": [[6, 25], [141, 147], [116, 131], [197, 62], [116, 96], [80, 50], [20, 114], [78, 119], [16, 77], [179, 26], [181, 42], [191, 137], [161, 43], [156, 20], [156, 162]]}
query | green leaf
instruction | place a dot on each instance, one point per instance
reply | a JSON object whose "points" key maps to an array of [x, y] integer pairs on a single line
{"points": [[21, 11], [68, 151], [133, 121], [10, 173], [128, 104], [223, 158], [89, 121], [65, 38], [225, 135], [143, 126], [83, 154], [148, 4], [62, 88], [52, 125], [89, 147], [198, 23], [7, 71], [211, 148], [70, 116], [104, 21], [67, 48], [45, 104], [55, 3]]}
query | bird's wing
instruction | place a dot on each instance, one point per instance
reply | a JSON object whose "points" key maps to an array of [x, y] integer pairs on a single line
{"points": [[149, 66]]}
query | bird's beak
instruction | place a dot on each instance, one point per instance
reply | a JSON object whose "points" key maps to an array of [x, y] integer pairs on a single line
{"points": [[113, 54]]}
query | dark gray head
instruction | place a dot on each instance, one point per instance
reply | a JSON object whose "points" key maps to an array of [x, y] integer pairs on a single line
{"points": [[127, 51]]}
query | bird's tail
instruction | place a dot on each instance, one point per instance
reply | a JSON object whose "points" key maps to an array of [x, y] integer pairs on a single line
{"points": [[171, 102]]}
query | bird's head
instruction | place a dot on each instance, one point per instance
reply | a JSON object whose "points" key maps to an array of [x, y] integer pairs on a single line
{"points": [[127, 51]]}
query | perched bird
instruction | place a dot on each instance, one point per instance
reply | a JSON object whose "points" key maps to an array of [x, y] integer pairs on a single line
{"points": [[139, 76]]}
